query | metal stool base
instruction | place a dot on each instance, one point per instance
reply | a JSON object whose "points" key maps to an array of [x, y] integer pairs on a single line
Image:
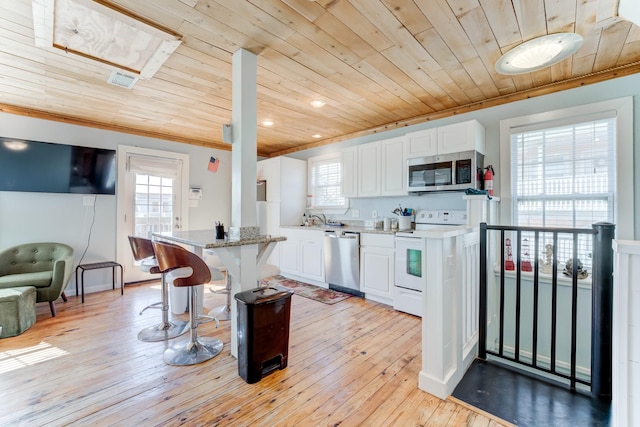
{"points": [[164, 331], [190, 353], [221, 313], [154, 305]]}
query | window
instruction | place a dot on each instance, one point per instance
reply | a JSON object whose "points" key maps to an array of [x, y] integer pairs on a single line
{"points": [[564, 176], [325, 179], [569, 168]]}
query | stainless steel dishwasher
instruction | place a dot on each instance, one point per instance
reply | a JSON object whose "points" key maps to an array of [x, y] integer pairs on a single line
{"points": [[342, 261]]}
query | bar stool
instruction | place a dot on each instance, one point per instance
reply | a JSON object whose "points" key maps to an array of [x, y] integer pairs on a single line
{"points": [[143, 252], [222, 312], [184, 268]]}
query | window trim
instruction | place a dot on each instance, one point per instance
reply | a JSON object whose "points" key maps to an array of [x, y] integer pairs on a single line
{"points": [[327, 209], [623, 108]]}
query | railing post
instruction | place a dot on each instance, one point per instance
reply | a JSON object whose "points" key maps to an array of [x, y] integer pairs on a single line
{"points": [[602, 314], [482, 316]]}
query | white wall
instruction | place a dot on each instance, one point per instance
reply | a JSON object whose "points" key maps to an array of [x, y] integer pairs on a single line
{"points": [[490, 119], [31, 217]]}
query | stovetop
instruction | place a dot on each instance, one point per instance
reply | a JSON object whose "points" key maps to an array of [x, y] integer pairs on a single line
{"points": [[435, 219]]}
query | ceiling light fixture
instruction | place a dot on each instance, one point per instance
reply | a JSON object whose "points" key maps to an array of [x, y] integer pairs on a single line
{"points": [[15, 145], [316, 136], [318, 103], [267, 122], [539, 53]]}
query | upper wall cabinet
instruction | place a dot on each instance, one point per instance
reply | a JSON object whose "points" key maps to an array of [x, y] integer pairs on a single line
{"points": [[453, 138], [465, 136], [349, 172], [374, 169], [422, 143], [394, 167], [369, 170]]}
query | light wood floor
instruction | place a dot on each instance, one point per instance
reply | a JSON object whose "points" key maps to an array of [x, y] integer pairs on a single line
{"points": [[352, 363]]}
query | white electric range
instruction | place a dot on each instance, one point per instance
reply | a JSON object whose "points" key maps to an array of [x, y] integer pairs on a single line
{"points": [[411, 256]]}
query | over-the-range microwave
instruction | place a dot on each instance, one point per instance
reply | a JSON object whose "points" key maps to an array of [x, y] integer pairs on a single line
{"points": [[455, 171]]}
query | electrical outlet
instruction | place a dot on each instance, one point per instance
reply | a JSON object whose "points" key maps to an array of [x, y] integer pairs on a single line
{"points": [[355, 213], [374, 214]]}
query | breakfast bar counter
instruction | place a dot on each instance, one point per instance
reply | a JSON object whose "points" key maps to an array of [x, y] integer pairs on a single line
{"points": [[206, 239]]}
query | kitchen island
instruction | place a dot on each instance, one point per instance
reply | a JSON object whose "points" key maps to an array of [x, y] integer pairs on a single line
{"points": [[243, 259]]}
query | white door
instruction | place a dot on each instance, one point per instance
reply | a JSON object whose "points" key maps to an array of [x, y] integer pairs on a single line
{"points": [[151, 198]]}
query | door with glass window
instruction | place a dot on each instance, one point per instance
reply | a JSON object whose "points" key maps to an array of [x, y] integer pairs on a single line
{"points": [[154, 205], [150, 200]]}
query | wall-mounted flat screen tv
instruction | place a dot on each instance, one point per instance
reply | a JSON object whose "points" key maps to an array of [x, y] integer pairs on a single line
{"points": [[43, 167]]}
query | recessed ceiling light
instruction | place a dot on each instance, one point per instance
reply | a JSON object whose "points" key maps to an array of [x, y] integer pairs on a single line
{"points": [[539, 53], [267, 122], [318, 103], [317, 135]]}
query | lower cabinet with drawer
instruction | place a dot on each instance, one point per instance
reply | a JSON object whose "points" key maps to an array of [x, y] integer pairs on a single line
{"points": [[377, 266]]}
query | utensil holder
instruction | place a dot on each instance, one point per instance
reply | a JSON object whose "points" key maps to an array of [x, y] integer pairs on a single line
{"points": [[404, 223], [219, 232]]}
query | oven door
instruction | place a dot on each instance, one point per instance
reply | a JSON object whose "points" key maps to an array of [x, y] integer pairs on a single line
{"points": [[410, 261]]}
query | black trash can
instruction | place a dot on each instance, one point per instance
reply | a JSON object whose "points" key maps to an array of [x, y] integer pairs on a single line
{"points": [[263, 331]]}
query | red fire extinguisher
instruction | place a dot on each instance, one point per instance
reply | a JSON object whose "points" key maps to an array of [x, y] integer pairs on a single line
{"points": [[488, 179]]}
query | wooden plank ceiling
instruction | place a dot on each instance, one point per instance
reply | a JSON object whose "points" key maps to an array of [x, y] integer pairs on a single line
{"points": [[378, 64]]}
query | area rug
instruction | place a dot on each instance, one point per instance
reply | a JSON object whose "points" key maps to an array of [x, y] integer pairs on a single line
{"points": [[316, 293]]}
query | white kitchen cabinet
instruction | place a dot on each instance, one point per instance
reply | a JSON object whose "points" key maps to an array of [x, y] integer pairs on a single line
{"points": [[302, 254], [422, 143], [286, 195], [288, 255], [369, 170], [393, 167], [465, 136], [312, 258], [377, 266], [349, 170], [286, 183]]}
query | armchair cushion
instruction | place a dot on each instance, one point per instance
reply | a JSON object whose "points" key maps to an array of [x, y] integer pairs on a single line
{"points": [[40, 279]]}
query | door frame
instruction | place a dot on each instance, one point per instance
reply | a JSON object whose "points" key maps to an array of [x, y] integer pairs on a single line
{"points": [[123, 206]]}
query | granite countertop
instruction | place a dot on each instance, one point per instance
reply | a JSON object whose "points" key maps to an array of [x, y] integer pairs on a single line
{"points": [[351, 228], [206, 239], [445, 231]]}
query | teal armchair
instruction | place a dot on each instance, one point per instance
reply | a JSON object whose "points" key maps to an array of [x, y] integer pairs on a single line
{"points": [[45, 266]]}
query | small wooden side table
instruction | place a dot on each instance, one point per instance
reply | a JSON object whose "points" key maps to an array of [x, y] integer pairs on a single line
{"points": [[96, 266]]}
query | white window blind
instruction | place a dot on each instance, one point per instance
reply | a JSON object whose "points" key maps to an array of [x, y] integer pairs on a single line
{"points": [[564, 176], [157, 166], [326, 179]]}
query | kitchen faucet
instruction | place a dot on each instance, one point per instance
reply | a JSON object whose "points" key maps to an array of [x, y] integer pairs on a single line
{"points": [[321, 217]]}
